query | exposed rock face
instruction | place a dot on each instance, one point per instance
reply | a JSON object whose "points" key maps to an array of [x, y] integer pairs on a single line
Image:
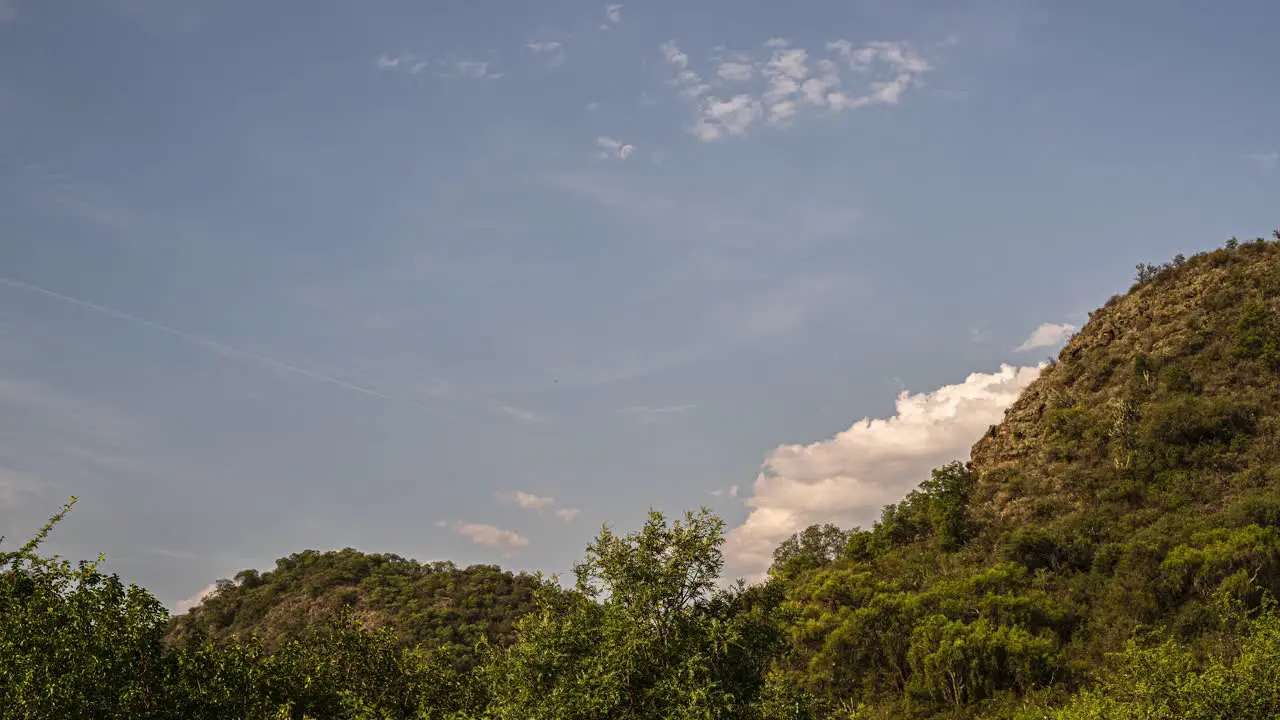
{"points": [[1185, 316]]}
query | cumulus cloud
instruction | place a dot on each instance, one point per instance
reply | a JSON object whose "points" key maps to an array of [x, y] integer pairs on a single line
{"points": [[610, 148], [690, 83], [528, 501], [1047, 335], [793, 81], [614, 13], [847, 479], [567, 514], [723, 118], [734, 71], [489, 536], [185, 605], [1265, 160]]}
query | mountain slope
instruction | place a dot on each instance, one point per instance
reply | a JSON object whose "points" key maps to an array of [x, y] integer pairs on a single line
{"points": [[1136, 482], [437, 605]]}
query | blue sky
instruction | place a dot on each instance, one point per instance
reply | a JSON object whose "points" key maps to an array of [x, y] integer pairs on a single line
{"points": [[467, 279]]}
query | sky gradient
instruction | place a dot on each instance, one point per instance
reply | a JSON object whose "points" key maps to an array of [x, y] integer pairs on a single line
{"points": [[464, 280]]}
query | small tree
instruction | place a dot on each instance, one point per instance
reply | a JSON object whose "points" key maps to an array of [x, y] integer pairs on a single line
{"points": [[807, 550], [644, 633]]}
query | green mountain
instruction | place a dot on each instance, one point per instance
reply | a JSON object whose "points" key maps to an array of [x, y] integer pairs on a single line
{"points": [[437, 605], [1134, 484]]}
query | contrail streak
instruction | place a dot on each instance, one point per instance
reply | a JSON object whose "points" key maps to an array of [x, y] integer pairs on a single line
{"points": [[217, 347]]}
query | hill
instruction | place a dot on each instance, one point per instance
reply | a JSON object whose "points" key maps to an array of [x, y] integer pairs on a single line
{"points": [[1135, 483], [437, 605], [1110, 550]]}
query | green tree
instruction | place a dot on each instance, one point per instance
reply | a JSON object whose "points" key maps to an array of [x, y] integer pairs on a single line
{"points": [[74, 642], [807, 550], [644, 634]]}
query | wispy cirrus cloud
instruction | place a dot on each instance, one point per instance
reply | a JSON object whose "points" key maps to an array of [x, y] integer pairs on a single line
{"points": [[789, 81], [1264, 160], [542, 47], [449, 67], [400, 63], [552, 52], [613, 149], [522, 414]]}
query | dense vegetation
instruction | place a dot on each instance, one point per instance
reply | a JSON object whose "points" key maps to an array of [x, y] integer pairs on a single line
{"points": [[1112, 550], [439, 605]]}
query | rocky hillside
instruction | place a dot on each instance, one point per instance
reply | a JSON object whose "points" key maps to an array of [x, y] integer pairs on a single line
{"points": [[1135, 484], [437, 605]]}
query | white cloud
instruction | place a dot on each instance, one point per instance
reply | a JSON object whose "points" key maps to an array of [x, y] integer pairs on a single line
{"points": [[537, 503], [793, 81], [521, 414], [611, 148], [473, 69], [689, 82], [492, 537], [736, 71], [186, 604], [441, 523], [528, 501], [552, 51], [614, 13], [733, 491], [1265, 161], [401, 63], [449, 67], [8, 11], [539, 47], [724, 118], [849, 478], [1047, 335]]}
